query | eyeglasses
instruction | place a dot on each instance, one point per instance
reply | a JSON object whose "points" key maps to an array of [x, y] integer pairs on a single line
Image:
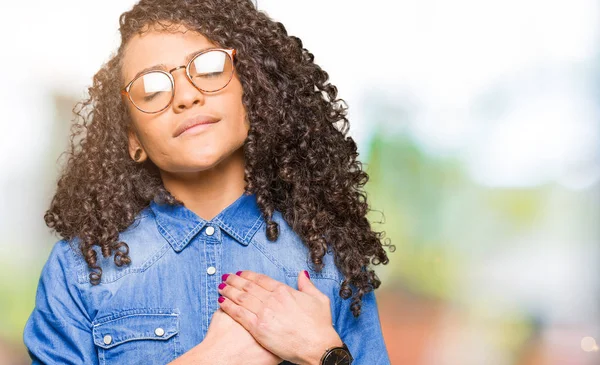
{"points": [[209, 71]]}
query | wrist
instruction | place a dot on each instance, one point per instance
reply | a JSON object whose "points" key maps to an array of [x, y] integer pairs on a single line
{"points": [[315, 352], [208, 352], [197, 355]]}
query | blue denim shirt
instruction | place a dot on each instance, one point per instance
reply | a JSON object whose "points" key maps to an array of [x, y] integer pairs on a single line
{"points": [[159, 306]]}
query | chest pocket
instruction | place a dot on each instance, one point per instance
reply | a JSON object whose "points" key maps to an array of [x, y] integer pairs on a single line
{"points": [[141, 336]]}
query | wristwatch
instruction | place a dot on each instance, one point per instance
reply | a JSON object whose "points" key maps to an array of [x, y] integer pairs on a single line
{"points": [[337, 356]]}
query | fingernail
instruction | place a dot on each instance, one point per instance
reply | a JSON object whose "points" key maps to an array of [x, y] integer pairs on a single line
{"points": [[238, 273], [224, 277], [306, 273], [222, 285], [221, 299]]}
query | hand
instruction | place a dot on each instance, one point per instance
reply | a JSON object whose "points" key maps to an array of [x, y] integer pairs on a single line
{"points": [[293, 324], [232, 344]]}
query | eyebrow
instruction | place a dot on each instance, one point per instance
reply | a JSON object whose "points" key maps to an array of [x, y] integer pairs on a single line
{"points": [[162, 66]]}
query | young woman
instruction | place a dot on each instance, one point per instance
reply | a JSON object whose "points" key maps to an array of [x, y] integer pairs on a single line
{"points": [[212, 207]]}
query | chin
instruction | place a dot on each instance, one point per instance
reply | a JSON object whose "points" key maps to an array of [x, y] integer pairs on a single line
{"points": [[202, 165], [204, 159], [205, 162]]}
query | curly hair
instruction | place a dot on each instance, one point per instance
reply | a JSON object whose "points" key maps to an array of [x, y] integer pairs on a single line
{"points": [[298, 158]]}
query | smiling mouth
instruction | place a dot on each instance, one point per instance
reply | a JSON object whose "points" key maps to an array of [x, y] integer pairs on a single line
{"points": [[197, 128]]}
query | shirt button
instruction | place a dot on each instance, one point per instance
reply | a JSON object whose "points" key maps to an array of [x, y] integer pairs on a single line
{"points": [[159, 331], [107, 339], [211, 270], [210, 231]]}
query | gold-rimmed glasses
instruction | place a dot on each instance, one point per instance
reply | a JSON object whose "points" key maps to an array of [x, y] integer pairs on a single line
{"points": [[209, 71]]}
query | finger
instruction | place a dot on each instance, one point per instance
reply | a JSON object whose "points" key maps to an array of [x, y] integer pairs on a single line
{"points": [[305, 285], [264, 281], [249, 286], [239, 314], [241, 298]]}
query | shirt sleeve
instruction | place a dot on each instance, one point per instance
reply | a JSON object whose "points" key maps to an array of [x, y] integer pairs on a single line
{"points": [[363, 334], [59, 330]]}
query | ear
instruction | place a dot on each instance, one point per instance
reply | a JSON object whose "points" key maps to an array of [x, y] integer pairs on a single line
{"points": [[134, 144]]}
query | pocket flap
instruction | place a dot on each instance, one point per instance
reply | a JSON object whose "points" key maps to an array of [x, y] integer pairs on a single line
{"points": [[115, 330]]}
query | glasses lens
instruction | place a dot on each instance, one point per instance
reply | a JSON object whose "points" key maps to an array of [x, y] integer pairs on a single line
{"points": [[212, 70], [152, 91]]}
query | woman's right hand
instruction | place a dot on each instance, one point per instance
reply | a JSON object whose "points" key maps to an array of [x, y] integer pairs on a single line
{"points": [[227, 343]]}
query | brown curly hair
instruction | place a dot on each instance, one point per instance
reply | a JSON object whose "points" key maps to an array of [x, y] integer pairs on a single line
{"points": [[299, 160]]}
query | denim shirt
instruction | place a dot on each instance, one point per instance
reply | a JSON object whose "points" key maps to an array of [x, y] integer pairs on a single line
{"points": [[160, 305]]}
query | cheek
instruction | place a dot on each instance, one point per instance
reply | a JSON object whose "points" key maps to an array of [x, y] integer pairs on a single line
{"points": [[235, 112], [234, 99], [241, 115], [242, 126], [144, 133], [152, 138]]}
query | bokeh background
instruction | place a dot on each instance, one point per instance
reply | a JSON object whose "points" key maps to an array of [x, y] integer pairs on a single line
{"points": [[478, 122]]}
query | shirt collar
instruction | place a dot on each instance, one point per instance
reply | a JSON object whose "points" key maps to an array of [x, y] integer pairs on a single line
{"points": [[179, 225]]}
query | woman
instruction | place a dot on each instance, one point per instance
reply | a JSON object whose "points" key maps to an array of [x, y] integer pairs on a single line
{"points": [[211, 144]]}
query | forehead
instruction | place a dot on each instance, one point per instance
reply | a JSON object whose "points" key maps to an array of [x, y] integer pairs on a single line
{"points": [[156, 47]]}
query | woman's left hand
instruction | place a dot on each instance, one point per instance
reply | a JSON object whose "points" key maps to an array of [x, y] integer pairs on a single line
{"points": [[292, 324]]}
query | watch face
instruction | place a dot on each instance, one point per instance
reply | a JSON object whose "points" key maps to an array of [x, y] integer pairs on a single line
{"points": [[338, 356]]}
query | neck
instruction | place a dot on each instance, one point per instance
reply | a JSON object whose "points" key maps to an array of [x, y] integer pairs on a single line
{"points": [[208, 192]]}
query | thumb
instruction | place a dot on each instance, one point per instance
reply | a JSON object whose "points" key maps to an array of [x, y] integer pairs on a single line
{"points": [[305, 285]]}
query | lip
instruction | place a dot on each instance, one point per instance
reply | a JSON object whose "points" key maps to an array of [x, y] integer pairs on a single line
{"points": [[194, 121]]}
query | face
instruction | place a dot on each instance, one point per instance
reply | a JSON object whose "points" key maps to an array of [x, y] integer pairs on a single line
{"points": [[199, 148]]}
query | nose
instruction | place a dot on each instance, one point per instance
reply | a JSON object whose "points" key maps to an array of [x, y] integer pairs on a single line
{"points": [[186, 94]]}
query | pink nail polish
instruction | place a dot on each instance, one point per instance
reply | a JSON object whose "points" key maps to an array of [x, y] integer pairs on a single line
{"points": [[222, 285], [224, 277], [306, 273], [238, 273], [221, 299]]}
